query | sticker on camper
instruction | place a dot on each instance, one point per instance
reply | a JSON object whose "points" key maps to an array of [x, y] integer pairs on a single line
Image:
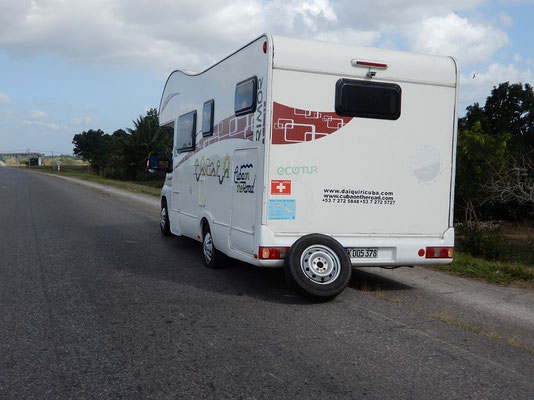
{"points": [[282, 209], [219, 169], [358, 196], [244, 179], [281, 187]]}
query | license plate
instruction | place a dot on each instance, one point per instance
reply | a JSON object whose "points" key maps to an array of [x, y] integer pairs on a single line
{"points": [[362, 252]]}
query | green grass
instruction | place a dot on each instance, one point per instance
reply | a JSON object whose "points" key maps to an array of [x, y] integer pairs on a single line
{"points": [[82, 172], [500, 272]]}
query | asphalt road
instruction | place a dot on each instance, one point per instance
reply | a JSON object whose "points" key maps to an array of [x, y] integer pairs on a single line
{"points": [[94, 303]]}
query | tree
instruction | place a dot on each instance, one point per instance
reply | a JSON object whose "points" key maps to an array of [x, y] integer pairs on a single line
{"points": [[478, 155], [509, 108], [512, 182], [494, 142], [146, 138], [123, 154], [93, 146], [474, 114]]}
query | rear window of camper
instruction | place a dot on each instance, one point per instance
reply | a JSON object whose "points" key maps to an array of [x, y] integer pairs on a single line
{"points": [[207, 117], [368, 99], [245, 96], [185, 132]]}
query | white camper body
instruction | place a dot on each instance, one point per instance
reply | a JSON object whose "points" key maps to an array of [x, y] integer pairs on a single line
{"points": [[286, 138]]}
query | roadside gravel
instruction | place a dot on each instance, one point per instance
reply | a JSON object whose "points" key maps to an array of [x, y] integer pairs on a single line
{"points": [[502, 312]]}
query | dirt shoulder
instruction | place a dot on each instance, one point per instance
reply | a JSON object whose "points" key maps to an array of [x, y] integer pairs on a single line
{"points": [[141, 198], [502, 312]]}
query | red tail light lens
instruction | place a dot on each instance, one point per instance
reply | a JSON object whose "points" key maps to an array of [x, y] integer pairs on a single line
{"points": [[439, 252], [273, 253]]}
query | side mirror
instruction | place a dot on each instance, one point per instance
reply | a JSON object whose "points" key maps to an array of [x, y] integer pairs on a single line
{"points": [[154, 165]]}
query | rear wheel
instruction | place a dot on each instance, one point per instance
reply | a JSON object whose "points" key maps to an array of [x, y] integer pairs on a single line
{"points": [[164, 223], [317, 267], [211, 255]]}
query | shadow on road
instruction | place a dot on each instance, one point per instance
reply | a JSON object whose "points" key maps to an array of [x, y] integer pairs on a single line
{"points": [[269, 284], [141, 251], [368, 282], [181, 262]]}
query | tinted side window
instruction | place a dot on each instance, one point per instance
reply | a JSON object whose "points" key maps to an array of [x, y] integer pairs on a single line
{"points": [[245, 97], [368, 99], [207, 117], [186, 131]]}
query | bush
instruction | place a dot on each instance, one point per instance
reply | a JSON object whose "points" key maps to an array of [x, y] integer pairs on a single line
{"points": [[487, 241]]}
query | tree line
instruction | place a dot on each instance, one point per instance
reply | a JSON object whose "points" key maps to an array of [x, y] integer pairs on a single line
{"points": [[494, 165], [495, 156], [123, 154]]}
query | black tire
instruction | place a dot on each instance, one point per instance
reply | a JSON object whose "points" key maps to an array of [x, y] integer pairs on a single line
{"points": [[210, 255], [317, 267], [164, 223]]}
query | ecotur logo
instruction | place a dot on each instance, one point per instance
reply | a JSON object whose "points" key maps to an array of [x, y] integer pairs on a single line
{"points": [[305, 170]]}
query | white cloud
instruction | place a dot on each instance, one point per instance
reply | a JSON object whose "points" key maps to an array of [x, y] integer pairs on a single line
{"points": [[82, 121], [168, 34], [4, 99], [37, 114], [49, 125], [506, 20], [479, 87], [456, 36]]}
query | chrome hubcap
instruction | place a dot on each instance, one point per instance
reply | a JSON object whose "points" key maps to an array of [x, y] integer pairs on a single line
{"points": [[320, 264], [208, 247]]}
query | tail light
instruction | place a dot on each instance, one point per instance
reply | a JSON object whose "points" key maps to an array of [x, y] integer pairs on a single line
{"points": [[439, 252], [273, 253]]}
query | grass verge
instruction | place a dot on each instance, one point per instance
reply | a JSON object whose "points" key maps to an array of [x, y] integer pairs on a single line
{"points": [[500, 272], [150, 187]]}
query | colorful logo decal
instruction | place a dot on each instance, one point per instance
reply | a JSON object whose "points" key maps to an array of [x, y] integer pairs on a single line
{"points": [[243, 179], [293, 125], [282, 209], [206, 167], [280, 187]]}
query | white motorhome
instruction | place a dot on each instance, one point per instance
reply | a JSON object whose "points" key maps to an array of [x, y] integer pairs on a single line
{"points": [[314, 156]]}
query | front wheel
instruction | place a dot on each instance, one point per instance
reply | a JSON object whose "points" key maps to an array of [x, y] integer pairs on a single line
{"points": [[164, 223], [317, 267]]}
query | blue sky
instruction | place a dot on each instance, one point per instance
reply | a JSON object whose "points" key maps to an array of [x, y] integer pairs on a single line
{"points": [[69, 66]]}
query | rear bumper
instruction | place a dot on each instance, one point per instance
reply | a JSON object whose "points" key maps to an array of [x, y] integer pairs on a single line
{"points": [[392, 250]]}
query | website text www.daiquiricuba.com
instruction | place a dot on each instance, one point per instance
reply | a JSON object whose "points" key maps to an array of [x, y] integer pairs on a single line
{"points": [[350, 196]]}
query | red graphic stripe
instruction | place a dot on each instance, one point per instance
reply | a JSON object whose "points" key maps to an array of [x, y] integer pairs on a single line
{"points": [[293, 125], [229, 128]]}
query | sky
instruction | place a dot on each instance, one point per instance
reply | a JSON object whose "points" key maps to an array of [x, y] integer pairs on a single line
{"points": [[67, 66]]}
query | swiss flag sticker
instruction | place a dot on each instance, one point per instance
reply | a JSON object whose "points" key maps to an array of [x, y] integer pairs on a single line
{"points": [[280, 187]]}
